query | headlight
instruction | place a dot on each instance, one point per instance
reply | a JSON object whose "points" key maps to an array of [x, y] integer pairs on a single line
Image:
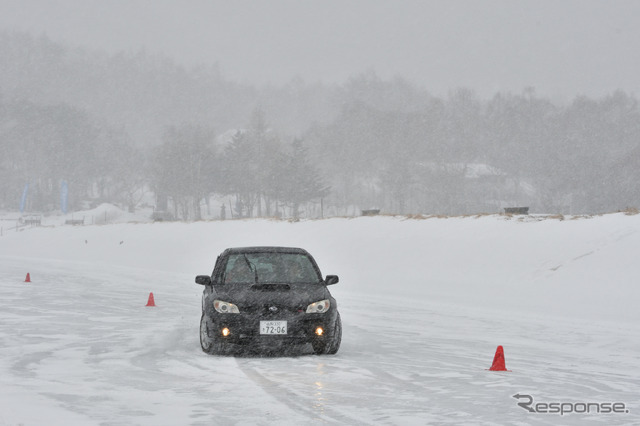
{"points": [[319, 307], [225, 307]]}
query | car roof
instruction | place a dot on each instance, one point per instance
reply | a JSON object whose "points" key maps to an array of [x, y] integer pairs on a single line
{"points": [[265, 249]]}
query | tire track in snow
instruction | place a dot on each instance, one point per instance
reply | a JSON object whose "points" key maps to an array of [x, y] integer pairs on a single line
{"points": [[306, 405]]}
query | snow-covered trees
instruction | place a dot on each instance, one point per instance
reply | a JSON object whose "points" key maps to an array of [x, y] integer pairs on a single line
{"points": [[42, 146], [265, 175], [184, 169], [463, 155], [113, 126], [301, 181]]}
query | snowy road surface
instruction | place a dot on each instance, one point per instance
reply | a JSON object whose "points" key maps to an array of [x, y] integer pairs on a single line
{"points": [[78, 346]]}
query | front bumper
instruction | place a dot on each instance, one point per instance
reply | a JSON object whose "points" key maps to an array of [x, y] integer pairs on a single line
{"points": [[245, 329]]}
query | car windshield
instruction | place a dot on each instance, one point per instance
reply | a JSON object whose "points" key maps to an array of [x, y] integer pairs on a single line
{"points": [[264, 268]]}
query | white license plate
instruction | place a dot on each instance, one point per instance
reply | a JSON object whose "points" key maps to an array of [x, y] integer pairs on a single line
{"points": [[273, 327]]}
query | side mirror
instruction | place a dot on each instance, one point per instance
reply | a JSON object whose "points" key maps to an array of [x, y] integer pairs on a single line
{"points": [[203, 280], [331, 279]]}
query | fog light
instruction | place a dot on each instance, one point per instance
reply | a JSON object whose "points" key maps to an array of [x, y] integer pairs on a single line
{"points": [[319, 331], [225, 332]]}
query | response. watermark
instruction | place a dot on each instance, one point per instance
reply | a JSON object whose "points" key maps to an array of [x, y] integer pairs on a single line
{"points": [[563, 408]]}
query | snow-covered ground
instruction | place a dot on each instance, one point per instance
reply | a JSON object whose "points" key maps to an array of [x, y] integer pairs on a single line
{"points": [[424, 303]]}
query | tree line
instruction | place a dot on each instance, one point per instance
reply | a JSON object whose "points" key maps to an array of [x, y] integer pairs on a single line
{"points": [[462, 155], [123, 127], [45, 146], [264, 175]]}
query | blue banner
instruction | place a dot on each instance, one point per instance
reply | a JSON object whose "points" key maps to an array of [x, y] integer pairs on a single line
{"points": [[23, 200], [64, 196]]}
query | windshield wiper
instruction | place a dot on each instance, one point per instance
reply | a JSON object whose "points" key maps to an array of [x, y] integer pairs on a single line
{"points": [[252, 267]]}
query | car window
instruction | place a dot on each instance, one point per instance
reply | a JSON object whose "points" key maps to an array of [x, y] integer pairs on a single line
{"points": [[264, 268]]}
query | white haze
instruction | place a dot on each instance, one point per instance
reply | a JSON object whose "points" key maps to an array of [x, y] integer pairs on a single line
{"points": [[562, 49]]}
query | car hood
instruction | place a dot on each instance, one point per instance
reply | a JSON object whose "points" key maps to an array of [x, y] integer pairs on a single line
{"points": [[282, 294]]}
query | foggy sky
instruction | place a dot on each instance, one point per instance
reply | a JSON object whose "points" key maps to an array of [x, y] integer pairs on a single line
{"points": [[561, 48]]}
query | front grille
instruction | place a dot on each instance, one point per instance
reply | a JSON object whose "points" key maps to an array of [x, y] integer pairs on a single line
{"points": [[271, 309]]}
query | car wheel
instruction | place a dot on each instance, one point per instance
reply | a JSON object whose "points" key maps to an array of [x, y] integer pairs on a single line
{"points": [[206, 343], [337, 337], [330, 346]]}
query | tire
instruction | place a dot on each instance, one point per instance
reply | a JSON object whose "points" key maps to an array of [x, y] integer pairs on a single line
{"points": [[330, 346], [207, 344], [337, 338]]}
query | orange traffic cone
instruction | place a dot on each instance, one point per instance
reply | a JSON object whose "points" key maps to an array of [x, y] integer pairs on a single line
{"points": [[498, 361], [151, 302], [28, 279]]}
